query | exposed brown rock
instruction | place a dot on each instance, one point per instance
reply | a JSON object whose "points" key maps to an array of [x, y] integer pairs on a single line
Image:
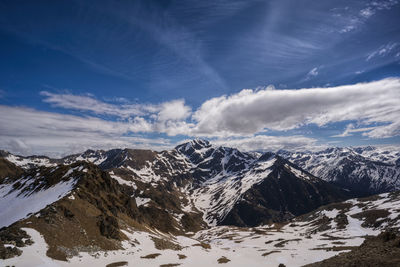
{"points": [[11, 238], [383, 250], [108, 226], [223, 259]]}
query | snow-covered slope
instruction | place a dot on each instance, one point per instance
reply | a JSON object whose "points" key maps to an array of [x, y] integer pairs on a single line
{"points": [[28, 162], [365, 169], [218, 194], [35, 190], [386, 154], [319, 235]]}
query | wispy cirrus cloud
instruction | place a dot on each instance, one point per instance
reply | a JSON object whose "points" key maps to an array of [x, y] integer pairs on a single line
{"points": [[354, 19], [384, 50], [375, 6], [312, 73], [135, 25]]}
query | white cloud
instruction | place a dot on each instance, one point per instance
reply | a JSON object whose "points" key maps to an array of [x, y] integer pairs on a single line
{"points": [[249, 112], [28, 131], [252, 111], [269, 143], [165, 117], [174, 110]]}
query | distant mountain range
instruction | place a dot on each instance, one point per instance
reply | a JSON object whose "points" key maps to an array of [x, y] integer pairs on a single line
{"points": [[89, 200], [363, 170]]}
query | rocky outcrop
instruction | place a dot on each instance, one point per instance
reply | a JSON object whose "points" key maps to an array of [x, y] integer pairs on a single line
{"points": [[11, 239], [8, 169]]}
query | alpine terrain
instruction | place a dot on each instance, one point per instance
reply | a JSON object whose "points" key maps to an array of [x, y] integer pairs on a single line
{"points": [[200, 204]]}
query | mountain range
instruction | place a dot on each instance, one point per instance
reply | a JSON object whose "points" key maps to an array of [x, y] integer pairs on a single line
{"points": [[100, 201]]}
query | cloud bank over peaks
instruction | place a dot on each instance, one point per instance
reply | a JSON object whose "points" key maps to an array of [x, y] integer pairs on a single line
{"points": [[250, 112], [245, 120]]}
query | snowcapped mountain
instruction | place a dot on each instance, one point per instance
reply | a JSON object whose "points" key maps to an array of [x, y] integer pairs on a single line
{"points": [[365, 170], [220, 184], [390, 155], [213, 180], [136, 199]]}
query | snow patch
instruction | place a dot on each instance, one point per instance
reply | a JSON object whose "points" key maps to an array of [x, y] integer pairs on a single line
{"points": [[140, 201], [16, 205]]}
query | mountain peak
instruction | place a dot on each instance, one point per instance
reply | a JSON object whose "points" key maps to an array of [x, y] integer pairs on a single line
{"points": [[193, 145], [266, 156], [200, 142]]}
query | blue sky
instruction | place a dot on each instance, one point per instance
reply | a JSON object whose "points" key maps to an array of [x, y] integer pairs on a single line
{"points": [[154, 73]]}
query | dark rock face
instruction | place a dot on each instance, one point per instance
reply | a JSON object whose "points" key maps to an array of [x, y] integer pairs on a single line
{"points": [[8, 169], [281, 196]]}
